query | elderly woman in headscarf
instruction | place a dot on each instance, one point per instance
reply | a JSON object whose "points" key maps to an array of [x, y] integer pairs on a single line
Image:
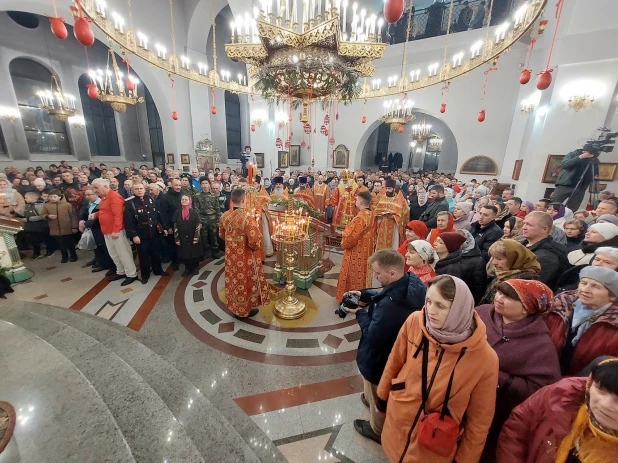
{"points": [[598, 235], [420, 259], [509, 260], [445, 345], [584, 323], [473, 265], [526, 208], [528, 361], [11, 201], [573, 420], [560, 213], [187, 228], [415, 230], [462, 214], [444, 222]]}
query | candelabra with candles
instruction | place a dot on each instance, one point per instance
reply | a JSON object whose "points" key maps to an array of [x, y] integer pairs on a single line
{"points": [[397, 114], [290, 230], [421, 132], [57, 104]]}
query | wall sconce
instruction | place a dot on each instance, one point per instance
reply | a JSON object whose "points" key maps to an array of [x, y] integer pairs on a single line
{"points": [[9, 114], [578, 102], [258, 118], [77, 121], [529, 104]]}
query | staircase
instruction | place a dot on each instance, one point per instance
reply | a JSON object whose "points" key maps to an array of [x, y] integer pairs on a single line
{"points": [[87, 390]]}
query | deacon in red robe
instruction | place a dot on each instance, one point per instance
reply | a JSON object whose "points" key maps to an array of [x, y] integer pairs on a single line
{"points": [[304, 193], [392, 214], [321, 193], [343, 200]]}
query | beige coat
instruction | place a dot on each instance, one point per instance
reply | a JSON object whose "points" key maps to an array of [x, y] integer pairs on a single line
{"points": [[65, 221]]}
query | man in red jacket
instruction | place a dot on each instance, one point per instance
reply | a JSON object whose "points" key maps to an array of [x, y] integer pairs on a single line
{"points": [[111, 219]]}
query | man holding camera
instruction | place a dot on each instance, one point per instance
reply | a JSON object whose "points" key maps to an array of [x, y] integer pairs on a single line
{"points": [[578, 169], [388, 310]]}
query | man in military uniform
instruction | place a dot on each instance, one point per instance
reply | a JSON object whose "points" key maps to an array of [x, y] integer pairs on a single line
{"points": [[210, 213], [142, 221]]}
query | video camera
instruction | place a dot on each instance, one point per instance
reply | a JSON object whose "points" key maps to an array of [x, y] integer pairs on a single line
{"points": [[604, 143]]}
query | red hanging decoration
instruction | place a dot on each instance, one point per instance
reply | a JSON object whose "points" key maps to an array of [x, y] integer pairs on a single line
{"points": [[326, 119], [393, 9], [81, 29], [400, 129], [213, 108], [279, 142], [253, 127], [287, 143], [312, 162], [303, 144], [524, 78], [307, 128], [331, 141], [130, 84], [58, 28], [445, 90], [174, 113], [309, 148], [544, 80], [443, 108], [323, 130], [92, 91], [481, 117], [326, 133], [364, 119]]}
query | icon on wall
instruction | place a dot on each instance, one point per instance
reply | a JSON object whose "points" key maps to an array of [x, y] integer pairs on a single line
{"points": [[552, 168], [340, 157], [295, 155], [170, 158], [283, 160], [185, 159], [259, 159]]}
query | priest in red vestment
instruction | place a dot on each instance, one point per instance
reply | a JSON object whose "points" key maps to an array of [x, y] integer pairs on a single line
{"points": [[357, 242], [392, 214], [279, 191], [342, 200], [321, 193], [304, 193], [257, 202], [246, 287]]}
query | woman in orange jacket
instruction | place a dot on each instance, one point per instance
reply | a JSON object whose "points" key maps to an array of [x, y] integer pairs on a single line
{"points": [[445, 343]]}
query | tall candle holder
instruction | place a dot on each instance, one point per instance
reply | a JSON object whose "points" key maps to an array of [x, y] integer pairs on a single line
{"points": [[290, 231]]}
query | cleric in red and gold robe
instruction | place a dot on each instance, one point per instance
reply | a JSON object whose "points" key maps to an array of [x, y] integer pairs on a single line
{"points": [[321, 193], [279, 191], [343, 200], [246, 287], [392, 214], [258, 203], [357, 242], [304, 193]]}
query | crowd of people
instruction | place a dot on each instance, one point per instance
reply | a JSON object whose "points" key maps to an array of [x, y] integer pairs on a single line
{"points": [[493, 338]]}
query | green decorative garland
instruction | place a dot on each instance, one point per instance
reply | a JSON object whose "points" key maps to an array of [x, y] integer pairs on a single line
{"points": [[315, 213]]}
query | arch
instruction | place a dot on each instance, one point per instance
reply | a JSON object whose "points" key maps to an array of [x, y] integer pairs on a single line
{"points": [[233, 126], [44, 133]]}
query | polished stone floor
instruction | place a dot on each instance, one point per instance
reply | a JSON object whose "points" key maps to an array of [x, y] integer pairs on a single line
{"points": [[162, 372]]}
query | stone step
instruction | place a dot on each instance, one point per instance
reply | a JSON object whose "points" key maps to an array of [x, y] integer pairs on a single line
{"points": [[103, 351]]}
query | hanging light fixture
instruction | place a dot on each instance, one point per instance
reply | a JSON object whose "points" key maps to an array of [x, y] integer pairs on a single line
{"points": [[435, 143], [111, 86], [56, 102], [421, 131], [397, 114]]}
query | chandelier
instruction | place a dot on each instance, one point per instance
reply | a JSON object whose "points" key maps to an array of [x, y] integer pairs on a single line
{"points": [[421, 131], [397, 114], [301, 52], [111, 88], [435, 143], [58, 104]]}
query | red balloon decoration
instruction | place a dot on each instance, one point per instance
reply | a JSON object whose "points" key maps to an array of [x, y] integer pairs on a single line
{"points": [[82, 31], [400, 129], [130, 85], [58, 28], [307, 128], [174, 115], [364, 119], [92, 91], [525, 76], [253, 127], [481, 117], [443, 108], [303, 144], [326, 133], [393, 9], [213, 109], [544, 80]]}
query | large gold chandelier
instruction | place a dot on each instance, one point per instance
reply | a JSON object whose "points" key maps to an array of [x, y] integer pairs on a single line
{"points": [[308, 56], [57, 103], [421, 131], [397, 114]]}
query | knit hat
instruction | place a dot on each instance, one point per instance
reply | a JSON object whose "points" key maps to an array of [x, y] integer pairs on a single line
{"points": [[534, 295], [465, 206], [607, 217], [390, 183], [424, 249], [606, 276], [607, 230], [452, 240], [418, 227]]}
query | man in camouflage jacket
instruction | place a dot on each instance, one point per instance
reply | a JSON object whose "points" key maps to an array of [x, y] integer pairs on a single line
{"points": [[207, 204]]}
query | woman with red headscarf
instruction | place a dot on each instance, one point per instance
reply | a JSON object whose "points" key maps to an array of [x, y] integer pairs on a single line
{"points": [[444, 222], [415, 230], [187, 228]]}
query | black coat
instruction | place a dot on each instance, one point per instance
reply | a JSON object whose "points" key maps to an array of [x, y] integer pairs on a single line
{"points": [[450, 265], [573, 169], [416, 210], [185, 232], [485, 237], [380, 324], [474, 273], [170, 203], [93, 225], [553, 259], [429, 217]]}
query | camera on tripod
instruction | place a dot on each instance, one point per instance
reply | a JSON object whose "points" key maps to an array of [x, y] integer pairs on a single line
{"points": [[603, 144]]}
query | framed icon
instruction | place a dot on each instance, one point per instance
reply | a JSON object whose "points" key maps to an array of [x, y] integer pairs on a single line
{"points": [[186, 168], [517, 169], [340, 157], [170, 158], [283, 159], [607, 171], [185, 159], [259, 159], [295, 155], [553, 166]]}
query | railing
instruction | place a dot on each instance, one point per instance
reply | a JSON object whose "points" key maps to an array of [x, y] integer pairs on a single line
{"points": [[433, 20]]}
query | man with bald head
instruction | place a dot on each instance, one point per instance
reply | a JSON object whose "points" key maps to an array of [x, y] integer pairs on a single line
{"points": [[552, 256]]}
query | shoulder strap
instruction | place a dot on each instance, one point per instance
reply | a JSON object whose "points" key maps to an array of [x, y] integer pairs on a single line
{"points": [[450, 385]]}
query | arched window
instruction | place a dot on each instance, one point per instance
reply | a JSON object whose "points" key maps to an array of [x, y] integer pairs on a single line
{"points": [[100, 123], [155, 129], [232, 124], [2, 145], [45, 134]]}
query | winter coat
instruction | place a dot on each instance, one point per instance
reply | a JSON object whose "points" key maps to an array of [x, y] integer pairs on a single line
{"points": [[429, 217], [473, 392], [93, 225], [601, 338], [486, 236], [462, 223], [380, 324], [585, 253], [573, 168], [573, 244], [474, 273], [450, 265], [65, 221], [569, 280], [170, 203], [185, 232], [416, 210], [553, 259], [536, 428], [528, 362], [34, 223]]}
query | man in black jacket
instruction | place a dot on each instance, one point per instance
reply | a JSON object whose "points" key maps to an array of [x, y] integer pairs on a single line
{"points": [[486, 232], [403, 294], [170, 203], [576, 166], [551, 255], [438, 204]]}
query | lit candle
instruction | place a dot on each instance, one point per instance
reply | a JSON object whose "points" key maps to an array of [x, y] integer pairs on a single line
{"points": [[232, 25], [345, 12]]}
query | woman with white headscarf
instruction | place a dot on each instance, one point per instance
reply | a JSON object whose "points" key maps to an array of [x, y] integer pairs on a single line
{"points": [[10, 200], [421, 257]]}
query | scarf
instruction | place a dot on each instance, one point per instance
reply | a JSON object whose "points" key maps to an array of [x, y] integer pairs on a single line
{"points": [[560, 213], [583, 318], [185, 210], [459, 324], [520, 259], [424, 273], [433, 236]]}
